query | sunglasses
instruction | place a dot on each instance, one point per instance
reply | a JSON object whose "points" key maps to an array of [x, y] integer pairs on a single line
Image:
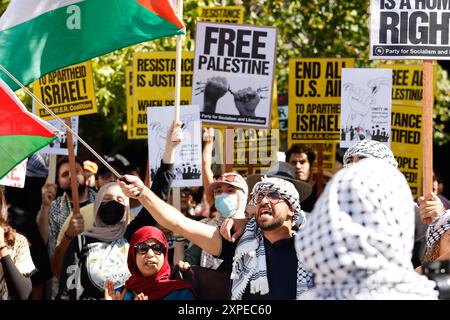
{"points": [[227, 178], [157, 248], [273, 196]]}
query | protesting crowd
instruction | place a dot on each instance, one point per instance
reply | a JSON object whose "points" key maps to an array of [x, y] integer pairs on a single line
{"points": [[251, 237], [332, 201]]}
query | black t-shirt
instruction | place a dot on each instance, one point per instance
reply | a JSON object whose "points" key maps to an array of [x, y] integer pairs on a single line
{"points": [[281, 261]]}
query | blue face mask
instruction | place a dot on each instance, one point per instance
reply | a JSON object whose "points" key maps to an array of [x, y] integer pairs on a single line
{"points": [[226, 204]]}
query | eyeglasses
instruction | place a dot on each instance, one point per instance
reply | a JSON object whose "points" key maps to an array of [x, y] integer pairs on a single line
{"points": [[157, 248], [273, 196]]}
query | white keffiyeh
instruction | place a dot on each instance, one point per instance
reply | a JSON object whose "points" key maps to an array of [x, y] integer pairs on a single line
{"points": [[359, 244], [370, 149]]}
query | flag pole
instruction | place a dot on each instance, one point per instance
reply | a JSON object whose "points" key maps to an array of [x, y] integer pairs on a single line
{"points": [[178, 253], [178, 65], [62, 122]]}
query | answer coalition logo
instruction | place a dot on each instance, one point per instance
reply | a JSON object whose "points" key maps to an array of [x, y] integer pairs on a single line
{"points": [[379, 51]]}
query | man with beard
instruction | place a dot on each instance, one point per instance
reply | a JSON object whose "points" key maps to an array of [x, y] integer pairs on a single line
{"points": [[54, 212], [263, 262]]}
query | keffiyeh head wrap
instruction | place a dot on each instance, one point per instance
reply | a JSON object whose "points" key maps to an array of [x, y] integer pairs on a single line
{"points": [[249, 263], [370, 149], [287, 191], [439, 226], [359, 244]]}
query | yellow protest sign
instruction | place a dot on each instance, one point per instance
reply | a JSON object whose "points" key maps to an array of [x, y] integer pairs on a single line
{"points": [[406, 144], [231, 14], [154, 84], [129, 100], [329, 157], [315, 99], [256, 147], [407, 84], [67, 92]]}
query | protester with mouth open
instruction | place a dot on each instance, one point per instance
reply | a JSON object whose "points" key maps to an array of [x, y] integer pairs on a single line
{"points": [[263, 262]]}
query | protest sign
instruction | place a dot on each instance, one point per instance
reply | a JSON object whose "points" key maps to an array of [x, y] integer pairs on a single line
{"points": [[154, 84], [314, 99], [16, 177], [59, 146], [328, 157], [188, 155], [407, 145], [256, 147], [366, 105], [129, 101], [67, 92], [409, 29], [233, 73], [407, 84], [231, 14]]}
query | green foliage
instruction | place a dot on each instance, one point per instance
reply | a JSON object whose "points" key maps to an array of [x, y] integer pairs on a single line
{"points": [[313, 28]]}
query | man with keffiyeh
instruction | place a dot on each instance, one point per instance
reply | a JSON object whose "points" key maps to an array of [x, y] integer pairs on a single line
{"points": [[263, 262]]}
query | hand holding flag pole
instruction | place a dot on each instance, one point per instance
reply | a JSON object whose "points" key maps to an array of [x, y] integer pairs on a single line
{"points": [[100, 158]]}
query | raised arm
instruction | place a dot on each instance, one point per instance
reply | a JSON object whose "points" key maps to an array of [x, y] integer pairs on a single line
{"points": [[208, 144], [206, 237], [162, 180]]}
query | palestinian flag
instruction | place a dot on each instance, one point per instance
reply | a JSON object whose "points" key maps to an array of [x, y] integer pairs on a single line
{"points": [[21, 132], [40, 36]]}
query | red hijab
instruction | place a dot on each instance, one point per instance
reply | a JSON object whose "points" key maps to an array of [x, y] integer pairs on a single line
{"points": [[158, 286]]}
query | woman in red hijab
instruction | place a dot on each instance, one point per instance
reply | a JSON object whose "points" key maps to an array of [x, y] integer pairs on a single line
{"points": [[150, 271]]}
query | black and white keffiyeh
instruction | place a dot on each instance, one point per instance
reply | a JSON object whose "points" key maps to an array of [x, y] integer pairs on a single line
{"points": [[249, 265], [359, 244], [370, 149], [436, 229], [287, 191], [249, 262]]}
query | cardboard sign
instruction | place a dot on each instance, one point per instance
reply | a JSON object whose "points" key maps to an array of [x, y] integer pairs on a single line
{"points": [[233, 73], [409, 29], [231, 14], [16, 177], [315, 99], [406, 144], [154, 84], [67, 92], [366, 105], [188, 155]]}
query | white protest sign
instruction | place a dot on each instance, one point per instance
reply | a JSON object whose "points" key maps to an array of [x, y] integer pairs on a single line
{"points": [[188, 155], [16, 177], [409, 29], [59, 146], [366, 105], [233, 73]]}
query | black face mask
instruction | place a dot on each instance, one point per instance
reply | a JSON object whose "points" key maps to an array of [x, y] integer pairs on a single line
{"points": [[111, 212]]}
